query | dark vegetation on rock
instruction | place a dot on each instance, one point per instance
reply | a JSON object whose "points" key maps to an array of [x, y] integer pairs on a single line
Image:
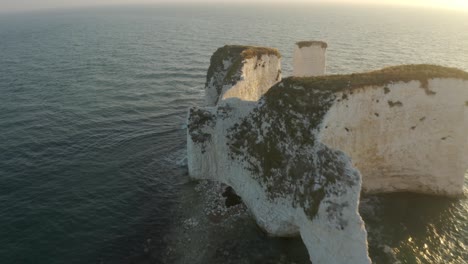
{"points": [[199, 119], [404, 73], [285, 155], [392, 103], [302, 44], [223, 111]]}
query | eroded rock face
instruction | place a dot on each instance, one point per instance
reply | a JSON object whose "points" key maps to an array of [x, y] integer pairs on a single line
{"points": [[283, 153], [402, 138], [244, 72]]}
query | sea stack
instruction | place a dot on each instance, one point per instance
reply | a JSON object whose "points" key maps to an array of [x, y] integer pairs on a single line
{"points": [[244, 72], [309, 58]]}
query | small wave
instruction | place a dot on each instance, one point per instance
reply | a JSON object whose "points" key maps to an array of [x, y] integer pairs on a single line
{"points": [[178, 157]]}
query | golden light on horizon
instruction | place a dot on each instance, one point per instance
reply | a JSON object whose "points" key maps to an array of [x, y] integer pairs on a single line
{"points": [[452, 3], [447, 4], [460, 5]]}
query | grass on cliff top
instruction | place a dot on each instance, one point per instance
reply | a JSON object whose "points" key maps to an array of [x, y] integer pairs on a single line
{"points": [[237, 53], [302, 44], [246, 52], [403, 73]]}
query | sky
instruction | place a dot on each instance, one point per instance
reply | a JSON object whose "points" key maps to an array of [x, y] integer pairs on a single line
{"points": [[27, 5]]}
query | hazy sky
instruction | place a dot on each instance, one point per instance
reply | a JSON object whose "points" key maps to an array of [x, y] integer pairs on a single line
{"points": [[24, 5]]}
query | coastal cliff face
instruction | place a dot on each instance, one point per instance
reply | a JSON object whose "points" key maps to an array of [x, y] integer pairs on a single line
{"points": [[269, 154], [243, 72], [404, 136], [285, 153]]}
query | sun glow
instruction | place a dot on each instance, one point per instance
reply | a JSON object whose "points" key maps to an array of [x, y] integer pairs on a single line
{"points": [[450, 4], [454, 4]]}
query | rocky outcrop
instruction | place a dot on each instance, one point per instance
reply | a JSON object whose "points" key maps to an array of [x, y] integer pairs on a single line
{"points": [[244, 72], [283, 154]]}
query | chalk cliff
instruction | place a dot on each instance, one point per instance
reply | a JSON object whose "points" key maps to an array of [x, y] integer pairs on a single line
{"points": [[405, 128], [234, 70]]}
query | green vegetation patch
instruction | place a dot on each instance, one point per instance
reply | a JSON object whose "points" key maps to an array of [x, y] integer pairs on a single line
{"points": [[278, 143], [252, 51], [302, 44], [404, 73]]}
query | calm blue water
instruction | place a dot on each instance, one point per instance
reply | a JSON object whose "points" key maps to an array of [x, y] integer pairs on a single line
{"points": [[92, 112]]}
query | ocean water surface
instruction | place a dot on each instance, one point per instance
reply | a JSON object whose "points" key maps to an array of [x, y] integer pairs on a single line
{"points": [[92, 136]]}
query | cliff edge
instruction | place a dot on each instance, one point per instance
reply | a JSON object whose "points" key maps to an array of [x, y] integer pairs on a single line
{"points": [[296, 154]]}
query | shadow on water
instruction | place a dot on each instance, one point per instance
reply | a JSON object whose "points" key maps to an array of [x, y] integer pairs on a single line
{"points": [[208, 227]]}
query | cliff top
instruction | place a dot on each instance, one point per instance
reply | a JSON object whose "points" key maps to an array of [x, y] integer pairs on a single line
{"points": [[246, 52], [403, 73], [236, 54], [309, 43]]}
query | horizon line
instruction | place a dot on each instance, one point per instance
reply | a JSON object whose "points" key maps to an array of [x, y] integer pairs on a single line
{"points": [[240, 3]]}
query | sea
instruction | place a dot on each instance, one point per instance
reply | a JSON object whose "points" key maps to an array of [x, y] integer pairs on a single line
{"points": [[93, 105]]}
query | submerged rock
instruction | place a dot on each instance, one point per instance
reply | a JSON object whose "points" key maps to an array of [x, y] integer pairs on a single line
{"points": [[283, 153]]}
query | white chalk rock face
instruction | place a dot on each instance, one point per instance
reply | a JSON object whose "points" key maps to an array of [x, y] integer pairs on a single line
{"points": [[292, 184], [243, 72], [283, 154], [269, 153], [309, 58], [409, 136]]}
